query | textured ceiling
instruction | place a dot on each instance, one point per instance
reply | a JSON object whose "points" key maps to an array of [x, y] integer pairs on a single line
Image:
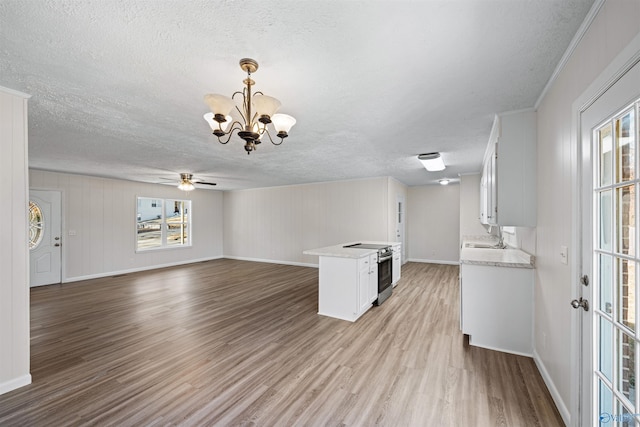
{"points": [[117, 86]]}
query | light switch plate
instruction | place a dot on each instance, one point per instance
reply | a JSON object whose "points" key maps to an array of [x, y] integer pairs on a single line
{"points": [[564, 255]]}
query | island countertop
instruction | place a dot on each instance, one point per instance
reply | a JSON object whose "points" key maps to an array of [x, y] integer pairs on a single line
{"points": [[339, 251]]}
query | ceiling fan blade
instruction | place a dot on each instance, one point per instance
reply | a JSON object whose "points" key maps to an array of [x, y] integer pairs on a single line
{"points": [[204, 183]]}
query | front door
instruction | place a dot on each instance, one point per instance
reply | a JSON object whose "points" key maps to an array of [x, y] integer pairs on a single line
{"points": [[606, 298], [45, 254]]}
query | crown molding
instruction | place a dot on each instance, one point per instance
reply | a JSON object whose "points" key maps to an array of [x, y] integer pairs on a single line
{"points": [[577, 38]]}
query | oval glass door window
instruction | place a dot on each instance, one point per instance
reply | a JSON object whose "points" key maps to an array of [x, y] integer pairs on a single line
{"points": [[36, 225]]}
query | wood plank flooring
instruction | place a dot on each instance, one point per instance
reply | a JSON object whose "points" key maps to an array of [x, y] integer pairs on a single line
{"points": [[230, 342]]}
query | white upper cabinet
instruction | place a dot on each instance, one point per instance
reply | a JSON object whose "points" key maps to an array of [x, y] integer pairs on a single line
{"points": [[508, 182]]}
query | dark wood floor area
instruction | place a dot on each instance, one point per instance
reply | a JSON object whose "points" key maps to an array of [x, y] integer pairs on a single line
{"points": [[231, 342]]}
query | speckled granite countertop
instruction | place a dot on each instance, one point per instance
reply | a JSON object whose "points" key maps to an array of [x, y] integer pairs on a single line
{"points": [[339, 251], [509, 257]]}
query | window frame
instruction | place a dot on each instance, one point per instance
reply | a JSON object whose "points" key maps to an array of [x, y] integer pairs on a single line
{"points": [[162, 203]]}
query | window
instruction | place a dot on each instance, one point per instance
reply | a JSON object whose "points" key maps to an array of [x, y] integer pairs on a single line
{"points": [[163, 223], [36, 225]]}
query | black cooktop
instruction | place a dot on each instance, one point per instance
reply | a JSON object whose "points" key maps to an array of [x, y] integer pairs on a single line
{"points": [[366, 246]]}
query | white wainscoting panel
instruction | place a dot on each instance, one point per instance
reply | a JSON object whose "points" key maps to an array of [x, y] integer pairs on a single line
{"points": [[99, 224], [277, 224], [14, 250], [433, 222]]}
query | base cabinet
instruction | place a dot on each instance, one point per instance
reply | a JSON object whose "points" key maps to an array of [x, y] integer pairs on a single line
{"points": [[397, 264], [348, 286], [496, 307]]}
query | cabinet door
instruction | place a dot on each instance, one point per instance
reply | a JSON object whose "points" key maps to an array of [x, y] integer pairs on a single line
{"points": [[373, 278], [483, 195], [364, 283], [396, 266], [492, 187]]}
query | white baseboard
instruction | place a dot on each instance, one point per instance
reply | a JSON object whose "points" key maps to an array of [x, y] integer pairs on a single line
{"points": [[271, 261], [15, 383], [502, 350], [135, 270], [562, 408], [433, 261]]}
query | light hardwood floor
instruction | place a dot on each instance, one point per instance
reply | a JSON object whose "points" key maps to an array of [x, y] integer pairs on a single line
{"points": [[231, 342]]}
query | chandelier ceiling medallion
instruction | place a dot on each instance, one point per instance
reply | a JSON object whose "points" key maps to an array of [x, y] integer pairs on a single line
{"points": [[256, 111]]}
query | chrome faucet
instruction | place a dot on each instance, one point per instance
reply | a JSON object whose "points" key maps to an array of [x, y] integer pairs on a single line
{"points": [[500, 244]]}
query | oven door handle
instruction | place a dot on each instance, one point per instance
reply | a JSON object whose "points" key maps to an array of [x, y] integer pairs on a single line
{"points": [[381, 260]]}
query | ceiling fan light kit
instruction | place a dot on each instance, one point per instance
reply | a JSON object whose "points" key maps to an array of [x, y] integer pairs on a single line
{"points": [[185, 182], [256, 111]]}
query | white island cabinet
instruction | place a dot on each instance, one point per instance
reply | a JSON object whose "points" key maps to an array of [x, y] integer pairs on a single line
{"points": [[347, 280]]}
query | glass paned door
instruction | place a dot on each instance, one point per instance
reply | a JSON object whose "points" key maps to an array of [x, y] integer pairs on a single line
{"points": [[615, 262]]}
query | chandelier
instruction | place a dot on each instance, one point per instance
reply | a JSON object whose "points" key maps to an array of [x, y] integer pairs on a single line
{"points": [[256, 111]]}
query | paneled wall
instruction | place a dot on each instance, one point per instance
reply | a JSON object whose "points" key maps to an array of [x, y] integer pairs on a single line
{"points": [[615, 26], [433, 213], [14, 267], [99, 224], [277, 224]]}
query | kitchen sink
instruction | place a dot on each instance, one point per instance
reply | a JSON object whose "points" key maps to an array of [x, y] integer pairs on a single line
{"points": [[481, 245]]}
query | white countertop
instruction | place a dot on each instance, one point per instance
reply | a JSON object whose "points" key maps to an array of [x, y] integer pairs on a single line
{"points": [[339, 251], [509, 257]]}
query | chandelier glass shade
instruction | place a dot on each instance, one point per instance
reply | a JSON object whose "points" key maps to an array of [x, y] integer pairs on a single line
{"points": [[256, 110]]}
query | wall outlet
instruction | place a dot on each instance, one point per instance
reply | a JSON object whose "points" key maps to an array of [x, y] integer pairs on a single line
{"points": [[564, 255]]}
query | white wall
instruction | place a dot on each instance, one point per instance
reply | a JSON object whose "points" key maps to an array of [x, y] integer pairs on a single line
{"points": [[278, 223], [14, 260], [617, 23], [102, 213], [470, 206], [433, 223]]}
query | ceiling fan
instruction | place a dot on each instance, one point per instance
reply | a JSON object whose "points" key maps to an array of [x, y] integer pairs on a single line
{"points": [[187, 183]]}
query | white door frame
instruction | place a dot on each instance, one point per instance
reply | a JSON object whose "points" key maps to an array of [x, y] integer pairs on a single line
{"points": [[400, 231], [623, 62]]}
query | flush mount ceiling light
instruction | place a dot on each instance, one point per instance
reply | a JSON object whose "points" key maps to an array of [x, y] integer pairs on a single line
{"points": [[256, 111], [432, 162], [443, 181]]}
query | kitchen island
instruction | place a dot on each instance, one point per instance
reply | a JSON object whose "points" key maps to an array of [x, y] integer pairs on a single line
{"points": [[348, 279]]}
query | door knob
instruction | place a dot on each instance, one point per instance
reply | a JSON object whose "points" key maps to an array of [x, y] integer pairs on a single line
{"points": [[57, 244], [577, 303]]}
